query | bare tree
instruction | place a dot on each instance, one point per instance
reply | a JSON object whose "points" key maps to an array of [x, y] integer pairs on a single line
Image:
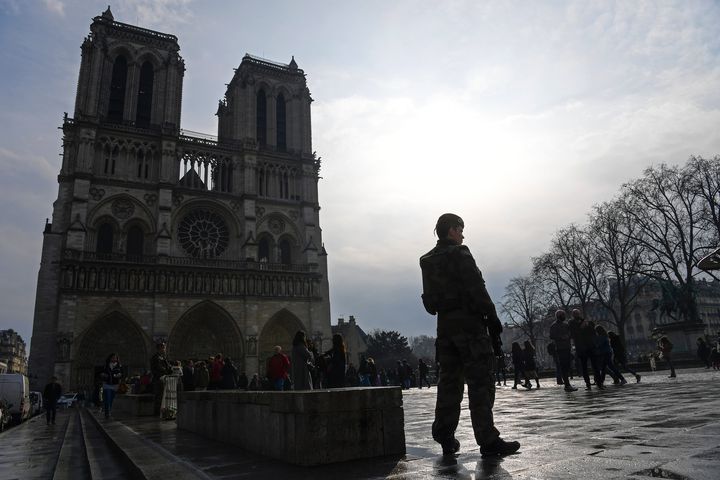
{"points": [[575, 261], [523, 304], [617, 258], [669, 213], [548, 275]]}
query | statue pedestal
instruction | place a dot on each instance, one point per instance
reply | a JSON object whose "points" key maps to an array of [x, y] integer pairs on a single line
{"points": [[305, 427]]}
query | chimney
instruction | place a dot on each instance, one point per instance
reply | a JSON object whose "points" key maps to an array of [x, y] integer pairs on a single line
{"points": [[352, 320], [341, 321]]}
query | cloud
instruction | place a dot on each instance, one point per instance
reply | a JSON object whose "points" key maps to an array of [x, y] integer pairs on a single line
{"points": [[162, 14], [55, 6]]}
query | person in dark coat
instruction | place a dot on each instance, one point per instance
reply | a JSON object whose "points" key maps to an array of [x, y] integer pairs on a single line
{"points": [[620, 355], [703, 351], [529, 363], [335, 361], [188, 376], [159, 366], [560, 335], [301, 363], [604, 352], [583, 334], [423, 371], [518, 360], [51, 395], [229, 375]]}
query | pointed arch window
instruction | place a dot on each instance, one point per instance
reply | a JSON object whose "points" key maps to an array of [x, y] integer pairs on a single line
{"points": [[281, 123], [135, 241], [117, 89], [285, 252], [145, 91], [104, 239], [261, 118], [264, 250]]}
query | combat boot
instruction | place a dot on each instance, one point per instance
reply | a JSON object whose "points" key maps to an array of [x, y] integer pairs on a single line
{"points": [[499, 448], [450, 447]]}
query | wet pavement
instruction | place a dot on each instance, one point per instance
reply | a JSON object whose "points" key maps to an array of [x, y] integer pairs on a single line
{"points": [[661, 427]]}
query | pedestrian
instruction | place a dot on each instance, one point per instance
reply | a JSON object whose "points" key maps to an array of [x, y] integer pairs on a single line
{"points": [[229, 373], [188, 376], [703, 351], [373, 373], [335, 361], [278, 368], [111, 376], [583, 335], [501, 368], [665, 347], [560, 334], [423, 371], [407, 374], [242, 383], [552, 351], [468, 338], [202, 376], [620, 355], [363, 372], [604, 354], [518, 360], [301, 363], [159, 366], [215, 367], [529, 363], [51, 394]]}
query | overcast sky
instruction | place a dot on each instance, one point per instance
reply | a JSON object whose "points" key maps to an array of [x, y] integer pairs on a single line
{"points": [[518, 116]]}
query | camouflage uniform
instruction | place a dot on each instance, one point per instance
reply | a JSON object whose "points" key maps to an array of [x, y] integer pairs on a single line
{"points": [[467, 329]]}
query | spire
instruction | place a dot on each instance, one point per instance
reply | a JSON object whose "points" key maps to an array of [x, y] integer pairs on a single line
{"points": [[108, 14], [293, 65]]}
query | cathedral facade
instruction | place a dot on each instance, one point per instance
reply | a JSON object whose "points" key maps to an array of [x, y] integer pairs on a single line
{"points": [[210, 243]]}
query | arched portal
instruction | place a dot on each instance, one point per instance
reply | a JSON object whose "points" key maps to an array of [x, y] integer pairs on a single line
{"points": [[204, 330], [279, 330], [114, 333]]}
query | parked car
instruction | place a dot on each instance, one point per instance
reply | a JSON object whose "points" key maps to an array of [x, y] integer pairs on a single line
{"points": [[68, 400], [36, 403], [15, 390]]}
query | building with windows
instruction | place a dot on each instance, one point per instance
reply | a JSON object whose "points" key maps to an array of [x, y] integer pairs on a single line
{"points": [[211, 243], [12, 352], [354, 337]]}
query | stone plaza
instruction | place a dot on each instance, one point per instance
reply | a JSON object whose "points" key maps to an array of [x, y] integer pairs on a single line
{"points": [[668, 428]]}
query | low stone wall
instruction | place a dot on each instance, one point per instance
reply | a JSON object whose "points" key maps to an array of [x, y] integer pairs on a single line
{"points": [[305, 427], [132, 405]]}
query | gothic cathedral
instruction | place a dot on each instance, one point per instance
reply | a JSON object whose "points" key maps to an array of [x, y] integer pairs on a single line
{"points": [[212, 244]]}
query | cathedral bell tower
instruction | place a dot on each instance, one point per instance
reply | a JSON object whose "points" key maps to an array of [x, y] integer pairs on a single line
{"points": [[211, 243]]}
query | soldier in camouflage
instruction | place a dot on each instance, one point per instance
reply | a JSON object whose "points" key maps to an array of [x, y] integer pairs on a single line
{"points": [[468, 333]]}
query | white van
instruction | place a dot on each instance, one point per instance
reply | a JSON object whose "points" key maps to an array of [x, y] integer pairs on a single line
{"points": [[15, 390]]}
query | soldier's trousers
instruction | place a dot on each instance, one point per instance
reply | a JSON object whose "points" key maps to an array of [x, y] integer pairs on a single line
{"points": [[465, 358]]}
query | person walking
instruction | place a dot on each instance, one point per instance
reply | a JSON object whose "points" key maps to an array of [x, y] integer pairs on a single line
{"points": [[583, 335], [188, 376], [278, 368], [604, 353], [518, 360], [301, 363], [665, 347], [229, 375], [552, 351], [529, 363], [501, 368], [468, 338], [423, 371], [560, 334], [335, 362], [51, 394], [703, 351], [620, 355], [111, 376]]}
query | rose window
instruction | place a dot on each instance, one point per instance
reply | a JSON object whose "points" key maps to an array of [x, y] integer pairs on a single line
{"points": [[203, 234]]}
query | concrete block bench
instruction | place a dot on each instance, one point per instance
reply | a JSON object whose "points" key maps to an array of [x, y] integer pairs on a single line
{"points": [[133, 405], [304, 427]]}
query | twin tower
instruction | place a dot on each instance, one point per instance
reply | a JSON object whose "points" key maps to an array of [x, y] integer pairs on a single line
{"points": [[212, 244]]}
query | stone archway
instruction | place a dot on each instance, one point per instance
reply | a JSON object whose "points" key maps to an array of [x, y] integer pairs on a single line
{"points": [[279, 330], [206, 330], [114, 333]]}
